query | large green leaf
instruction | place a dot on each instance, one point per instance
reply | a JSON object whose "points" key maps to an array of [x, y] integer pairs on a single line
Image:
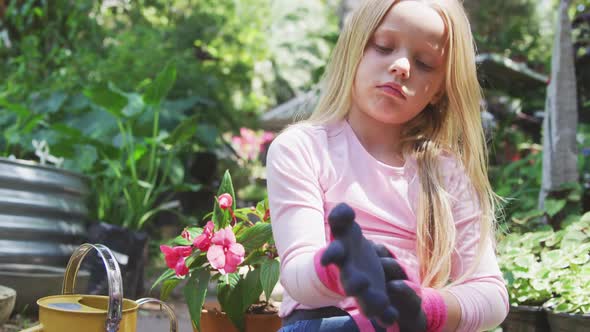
{"points": [[254, 237], [220, 217], [160, 87], [236, 294], [17, 109], [184, 131], [553, 206], [195, 292], [251, 289], [108, 99], [269, 275], [167, 288], [229, 297], [169, 273]]}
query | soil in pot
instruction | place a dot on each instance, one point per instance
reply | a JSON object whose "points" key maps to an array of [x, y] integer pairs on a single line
{"points": [[564, 322], [526, 319]]}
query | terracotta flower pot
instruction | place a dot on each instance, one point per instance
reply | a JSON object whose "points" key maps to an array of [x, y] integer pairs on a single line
{"points": [[217, 321]]}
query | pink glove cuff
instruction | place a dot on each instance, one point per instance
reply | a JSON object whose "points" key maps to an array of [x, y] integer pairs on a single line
{"points": [[329, 275], [435, 309]]}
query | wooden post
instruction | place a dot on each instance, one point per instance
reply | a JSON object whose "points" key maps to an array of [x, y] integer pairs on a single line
{"points": [[561, 111]]}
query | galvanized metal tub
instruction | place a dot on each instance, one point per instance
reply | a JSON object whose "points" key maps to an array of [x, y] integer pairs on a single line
{"points": [[43, 213]]}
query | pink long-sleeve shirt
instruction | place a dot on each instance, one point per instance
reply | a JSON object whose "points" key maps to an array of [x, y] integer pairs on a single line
{"points": [[312, 168]]}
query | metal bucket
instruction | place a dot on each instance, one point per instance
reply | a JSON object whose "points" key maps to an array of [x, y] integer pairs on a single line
{"points": [[42, 213], [94, 313]]}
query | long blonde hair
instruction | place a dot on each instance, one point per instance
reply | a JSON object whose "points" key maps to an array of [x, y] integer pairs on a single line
{"points": [[452, 125]]}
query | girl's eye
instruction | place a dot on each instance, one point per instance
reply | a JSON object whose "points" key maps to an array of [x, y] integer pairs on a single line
{"points": [[383, 49], [423, 65]]}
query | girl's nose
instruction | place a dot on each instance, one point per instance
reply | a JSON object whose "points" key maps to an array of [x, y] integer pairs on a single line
{"points": [[401, 67]]}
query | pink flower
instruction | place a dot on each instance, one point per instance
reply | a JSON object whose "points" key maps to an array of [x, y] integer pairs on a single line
{"points": [[203, 241], [225, 254], [225, 201], [266, 215], [267, 136], [175, 258], [186, 234]]}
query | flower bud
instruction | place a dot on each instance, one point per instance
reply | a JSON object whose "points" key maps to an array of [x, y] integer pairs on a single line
{"points": [[225, 201]]}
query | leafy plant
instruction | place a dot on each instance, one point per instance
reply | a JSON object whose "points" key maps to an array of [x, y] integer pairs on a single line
{"points": [[519, 183], [235, 249], [136, 173], [549, 268]]}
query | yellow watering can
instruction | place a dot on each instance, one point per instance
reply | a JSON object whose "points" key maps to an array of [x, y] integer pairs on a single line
{"points": [[92, 313]]}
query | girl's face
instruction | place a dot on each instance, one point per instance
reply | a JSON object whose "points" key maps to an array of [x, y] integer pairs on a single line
{"points": [[403, 65]]}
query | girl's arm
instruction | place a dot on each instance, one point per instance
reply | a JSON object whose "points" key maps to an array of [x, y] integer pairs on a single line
{"points": [[453, 312], [297, 214], [481, 300]]}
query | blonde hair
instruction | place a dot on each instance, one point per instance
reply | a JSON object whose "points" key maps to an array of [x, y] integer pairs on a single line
{"points": [[453, 125]]}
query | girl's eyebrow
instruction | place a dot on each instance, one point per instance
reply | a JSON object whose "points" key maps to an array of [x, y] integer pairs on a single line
{"points": [[428, 45], [386, 30]]}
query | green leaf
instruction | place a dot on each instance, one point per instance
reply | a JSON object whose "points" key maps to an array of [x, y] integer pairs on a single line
{"points": [[17, 109], [168, 206], [108, 99], [32, 123], [555, 259], [169, 273], [160, 87], [184, 131], [195, 292], [66, 130], [236, 294], [553, 206], [251, 289], [220, 217], [254, 237], [167, 288], [193, 187], [525, 261], [230, 298], [269, 276]]}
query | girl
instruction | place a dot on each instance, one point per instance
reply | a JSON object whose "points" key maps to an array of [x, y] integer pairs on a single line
{"points": [[397, 136]]}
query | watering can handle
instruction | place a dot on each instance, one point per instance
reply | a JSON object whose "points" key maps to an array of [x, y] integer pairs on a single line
{"points": [[115, 307], [164, 307]]}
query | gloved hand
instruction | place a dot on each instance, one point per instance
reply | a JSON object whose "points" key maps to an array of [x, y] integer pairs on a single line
{"points": [[420, 309], [361, 271], [367, 271]]}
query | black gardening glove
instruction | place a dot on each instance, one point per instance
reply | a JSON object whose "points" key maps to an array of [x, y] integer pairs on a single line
{"points": [[361, 269], [403, 294]]}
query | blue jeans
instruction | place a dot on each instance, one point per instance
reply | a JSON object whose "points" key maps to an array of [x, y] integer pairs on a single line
{"points": [[331, 324]]}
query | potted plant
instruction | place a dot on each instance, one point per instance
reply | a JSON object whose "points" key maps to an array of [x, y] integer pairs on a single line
{"points": [[547, 274], [235, 250], [138, 170], [569, 309], [518, 259]]}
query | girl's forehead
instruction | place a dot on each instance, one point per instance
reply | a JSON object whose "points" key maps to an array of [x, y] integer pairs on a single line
{"points": [[416, 19]]}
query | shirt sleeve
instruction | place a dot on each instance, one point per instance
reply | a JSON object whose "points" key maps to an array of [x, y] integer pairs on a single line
{"points": [[482, 295], [297, 215]]}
